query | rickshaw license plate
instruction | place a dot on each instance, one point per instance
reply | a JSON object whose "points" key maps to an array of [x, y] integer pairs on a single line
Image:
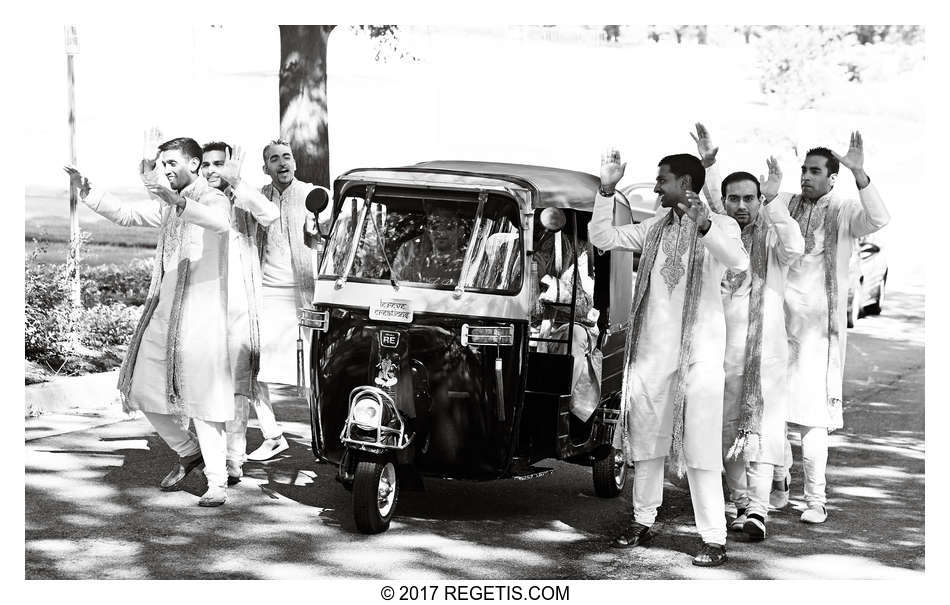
{"points": [[391, 309]]}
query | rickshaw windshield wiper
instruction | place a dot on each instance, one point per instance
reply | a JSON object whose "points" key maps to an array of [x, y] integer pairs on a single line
{"points": [[382, 248], [357, 236], [470, 251]]}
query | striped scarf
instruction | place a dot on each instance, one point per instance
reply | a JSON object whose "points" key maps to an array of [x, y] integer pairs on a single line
{"points": [[694, 283], [751, 402], [833, 373]]}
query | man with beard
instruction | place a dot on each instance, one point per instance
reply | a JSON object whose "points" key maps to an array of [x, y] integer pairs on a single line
{"points": [[176, 369], [816, 303], [250, 211], [287, 283], [673, 371], [756, 363]]}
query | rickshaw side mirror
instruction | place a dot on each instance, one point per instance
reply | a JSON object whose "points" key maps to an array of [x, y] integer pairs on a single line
{"points": [[317, 200]]}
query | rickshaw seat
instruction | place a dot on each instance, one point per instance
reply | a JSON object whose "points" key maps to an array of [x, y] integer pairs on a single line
{"points": [[550, 373]]}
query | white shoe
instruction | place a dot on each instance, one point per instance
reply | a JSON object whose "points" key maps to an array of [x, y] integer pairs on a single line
{"points": [[215, 496], [269, 449], [778, 498], [739, 521], [815, 513]]}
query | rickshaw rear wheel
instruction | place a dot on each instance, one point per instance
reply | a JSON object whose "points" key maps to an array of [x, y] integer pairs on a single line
{"points": [[610, 474], [375, 493]]}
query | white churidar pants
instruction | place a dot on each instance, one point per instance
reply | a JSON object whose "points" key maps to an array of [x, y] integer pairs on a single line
{"points": [[237, 430], [749, 485], [814, 460], [208, 438], [705, 489], [264, 410]]}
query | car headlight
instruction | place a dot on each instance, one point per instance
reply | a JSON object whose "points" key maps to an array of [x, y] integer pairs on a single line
{"points": [[366, 413]]}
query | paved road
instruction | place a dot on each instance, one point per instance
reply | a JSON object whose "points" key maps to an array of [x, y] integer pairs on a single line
{"points": [[94, 511]]}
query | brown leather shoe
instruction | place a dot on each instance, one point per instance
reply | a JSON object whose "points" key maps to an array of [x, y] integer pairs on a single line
{"points": [[710, 555], [174, 478], [635, 534]]}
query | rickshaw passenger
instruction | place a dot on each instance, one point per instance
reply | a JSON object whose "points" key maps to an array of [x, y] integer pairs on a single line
{"points": [[556, 272], [437, 257]]}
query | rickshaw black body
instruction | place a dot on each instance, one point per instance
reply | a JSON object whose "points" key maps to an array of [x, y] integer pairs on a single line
{"points": [[477, 412]]}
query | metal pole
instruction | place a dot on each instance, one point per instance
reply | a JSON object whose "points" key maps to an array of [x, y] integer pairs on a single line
{"points": [[72, 258]]}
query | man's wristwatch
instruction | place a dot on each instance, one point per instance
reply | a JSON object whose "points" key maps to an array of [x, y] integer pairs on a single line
{"points": [[604, 193]]}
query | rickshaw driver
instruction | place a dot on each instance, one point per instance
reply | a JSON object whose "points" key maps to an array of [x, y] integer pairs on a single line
{"points": [[437, 257]]}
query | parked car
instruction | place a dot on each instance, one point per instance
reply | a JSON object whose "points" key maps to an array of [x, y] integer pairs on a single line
{"points": [[868, 281]]}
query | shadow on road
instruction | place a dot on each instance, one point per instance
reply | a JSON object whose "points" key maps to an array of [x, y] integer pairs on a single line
{"points": [[94, 511]]}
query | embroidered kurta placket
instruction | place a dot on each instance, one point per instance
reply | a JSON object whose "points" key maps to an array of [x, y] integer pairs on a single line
{"points": [[811, 217], [675, 242]]}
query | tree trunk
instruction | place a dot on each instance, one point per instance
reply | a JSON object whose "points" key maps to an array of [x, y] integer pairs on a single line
{"points": [[303, 99]]}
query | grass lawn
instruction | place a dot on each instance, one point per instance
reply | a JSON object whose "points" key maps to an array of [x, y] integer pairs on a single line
{"points": [[93, 254]]}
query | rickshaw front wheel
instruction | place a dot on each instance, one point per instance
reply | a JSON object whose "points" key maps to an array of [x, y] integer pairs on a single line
{"points": [[610, 474], [375, 492]]}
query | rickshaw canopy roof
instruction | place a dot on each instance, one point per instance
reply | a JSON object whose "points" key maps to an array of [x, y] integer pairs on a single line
{"points": [[552, 187]]}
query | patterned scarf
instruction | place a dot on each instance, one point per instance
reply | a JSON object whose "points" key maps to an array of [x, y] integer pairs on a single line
{"points": [[247, 226], [694, 283], [173, 228], [796, 208], [748, 438], [293, 217]]}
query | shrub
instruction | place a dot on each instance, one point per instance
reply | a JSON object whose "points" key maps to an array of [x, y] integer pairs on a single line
{"points": [[48, 326], [109, 284], [110, 325]]}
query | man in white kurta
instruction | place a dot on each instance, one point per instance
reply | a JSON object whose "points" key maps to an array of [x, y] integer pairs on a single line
{"points": [[179, 360], [816, 303], [652, 375], [250, 210], [287, 280], [753, 430]]}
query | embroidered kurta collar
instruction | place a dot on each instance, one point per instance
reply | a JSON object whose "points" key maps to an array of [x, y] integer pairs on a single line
{"points": [[282, 195]]}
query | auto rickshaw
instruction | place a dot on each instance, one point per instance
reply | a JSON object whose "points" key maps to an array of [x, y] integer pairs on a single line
{"points": [[463, 328]]}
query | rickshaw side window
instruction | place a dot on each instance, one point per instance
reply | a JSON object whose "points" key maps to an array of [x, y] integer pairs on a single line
{"points": [[426, 241]]}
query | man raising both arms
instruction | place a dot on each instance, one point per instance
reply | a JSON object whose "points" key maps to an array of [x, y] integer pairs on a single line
{"points": [[177, 369], [673, 371]]}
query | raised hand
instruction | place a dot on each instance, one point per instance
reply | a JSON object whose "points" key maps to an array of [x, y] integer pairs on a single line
{"points": [[150, 142], [694, 208], [611, 169], [854, 159], [704, 145], [166, 195], [77, 181], [231, 171], [771, 185]]}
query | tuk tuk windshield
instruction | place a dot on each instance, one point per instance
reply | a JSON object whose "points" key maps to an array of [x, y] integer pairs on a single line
{"points": [[427, 242]]}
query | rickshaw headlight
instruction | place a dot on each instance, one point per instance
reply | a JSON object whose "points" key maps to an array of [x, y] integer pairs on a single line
{"points": [[366, 413]]}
